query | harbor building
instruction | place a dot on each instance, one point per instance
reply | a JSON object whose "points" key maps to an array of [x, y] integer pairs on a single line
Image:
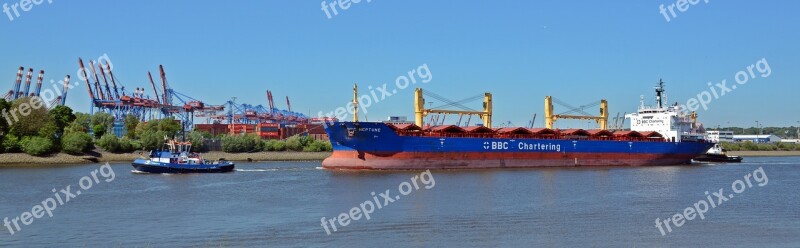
{"points": [[764, 138], [718, 136]]}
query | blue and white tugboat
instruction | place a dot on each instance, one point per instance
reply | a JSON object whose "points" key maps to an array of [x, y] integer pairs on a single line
{"points": [[178, 158], [719, 155]]}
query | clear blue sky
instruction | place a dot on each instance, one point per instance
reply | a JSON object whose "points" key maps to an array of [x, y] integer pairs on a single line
{"points": [[577, 51]]}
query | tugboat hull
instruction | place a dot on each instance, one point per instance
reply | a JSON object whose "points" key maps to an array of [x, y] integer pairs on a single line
{"points": [[718, 158], [152, 167]]}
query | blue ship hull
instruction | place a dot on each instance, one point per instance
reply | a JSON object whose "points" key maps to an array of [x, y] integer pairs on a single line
{"points": [[367, 145]]}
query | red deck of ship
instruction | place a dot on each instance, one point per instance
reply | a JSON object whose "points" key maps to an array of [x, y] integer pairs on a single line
{"points": [[453, 131]]}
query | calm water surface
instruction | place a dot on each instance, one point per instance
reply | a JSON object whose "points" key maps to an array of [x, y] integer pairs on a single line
{"points": [[281, 204]]}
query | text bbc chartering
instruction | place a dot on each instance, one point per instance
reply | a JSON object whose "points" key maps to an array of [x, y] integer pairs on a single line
{"points": [[523, 146]]}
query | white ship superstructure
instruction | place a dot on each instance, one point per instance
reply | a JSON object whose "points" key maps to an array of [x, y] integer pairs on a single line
{"points": [[674, 123]]}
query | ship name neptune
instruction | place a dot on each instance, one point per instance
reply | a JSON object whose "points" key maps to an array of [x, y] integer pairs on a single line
{"points": [[369, 129]]}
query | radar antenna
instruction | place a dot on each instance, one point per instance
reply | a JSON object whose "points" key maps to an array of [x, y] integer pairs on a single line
{"points": [[659, 92]]}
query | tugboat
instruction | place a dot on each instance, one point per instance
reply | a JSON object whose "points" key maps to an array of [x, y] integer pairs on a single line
{"points": [[718, 154], [178, 158]]}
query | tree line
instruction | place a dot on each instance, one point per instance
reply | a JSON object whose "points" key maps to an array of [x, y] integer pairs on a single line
{"points": [[783, 132], [46, 131], [750, 146]]}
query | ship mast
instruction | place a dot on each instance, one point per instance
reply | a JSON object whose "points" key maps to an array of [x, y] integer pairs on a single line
{"points": [[659, 92]]}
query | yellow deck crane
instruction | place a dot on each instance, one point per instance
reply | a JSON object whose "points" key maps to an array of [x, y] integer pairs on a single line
{"points": [[551, 118], [355, 103], [420, 111]]}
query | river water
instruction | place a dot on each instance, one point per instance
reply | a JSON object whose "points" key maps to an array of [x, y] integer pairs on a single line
{"points": [[280, 204]]}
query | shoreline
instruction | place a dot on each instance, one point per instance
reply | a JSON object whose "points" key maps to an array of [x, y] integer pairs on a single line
{"points": [[25, 160], [764, 153]]}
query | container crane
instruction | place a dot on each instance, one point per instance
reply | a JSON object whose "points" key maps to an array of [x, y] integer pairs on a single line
{"points": [[532, 122], [12, 95], [62, 99], [27, 89], [271, 102], [113, 80], [97, 86], [38, 84], [105, 81], [164, 86], [19, 92], [155, 92], [86, 79]]}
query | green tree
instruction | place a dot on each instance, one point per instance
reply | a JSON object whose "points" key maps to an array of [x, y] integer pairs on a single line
{"points": [[99, 131], [101, 123], [50, 131], [111, 143], [80, 124], [274, 145], [128, 145], [767, 147], [730, 146], [130, 125], [76, 143], [36, 146], [167, 125], [197, 138], [31, 116], [242, 143], [11, 143], [62, 116], [294, 143], [328, 146], [152, 139], [315, 146], [785, 146], [104, 119], [749, 146], [4, 110]]}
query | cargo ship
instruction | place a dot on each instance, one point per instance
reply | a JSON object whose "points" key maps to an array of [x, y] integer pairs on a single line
{"points": [[659, 135]]}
